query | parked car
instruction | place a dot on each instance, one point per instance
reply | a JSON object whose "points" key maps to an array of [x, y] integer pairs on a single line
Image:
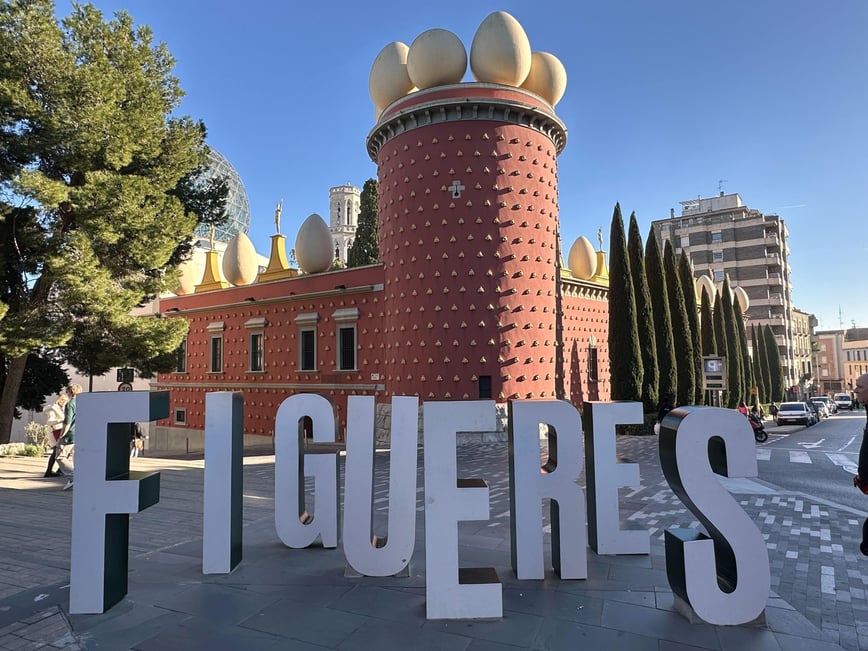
{"points": [[822, 407], [844, 401], [830, 404], [814, 412], [794, 412]]}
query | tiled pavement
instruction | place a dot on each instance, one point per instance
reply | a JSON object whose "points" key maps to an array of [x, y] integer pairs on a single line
{"points": [[301, 599]]}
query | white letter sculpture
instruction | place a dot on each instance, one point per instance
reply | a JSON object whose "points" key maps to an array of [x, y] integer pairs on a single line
{"points": [[106, 492], [452, 592], [366, 554], [295, 526], [529, 484], [605, 476], [222, 516], [725, 579]]}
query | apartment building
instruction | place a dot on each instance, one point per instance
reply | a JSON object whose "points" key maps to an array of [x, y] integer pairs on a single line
{"points": [[723, 237]]}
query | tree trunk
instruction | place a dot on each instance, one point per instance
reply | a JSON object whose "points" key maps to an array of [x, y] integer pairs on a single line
{"points": [[14, 375]]}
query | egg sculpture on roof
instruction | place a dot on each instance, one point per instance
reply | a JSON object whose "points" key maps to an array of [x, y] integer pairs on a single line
{"points": [[500, 52], [192, 271], [742, 298], [389, 79], [240, 263], [314, 246], [547, 77], [436, 58], [582, 259], [704, 282]]}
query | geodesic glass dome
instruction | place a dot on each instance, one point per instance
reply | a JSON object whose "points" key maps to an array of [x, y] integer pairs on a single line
{"points": [[237, 206]]}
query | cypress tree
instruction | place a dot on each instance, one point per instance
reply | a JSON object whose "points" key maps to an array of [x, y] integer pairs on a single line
{"points": [[734, 378], [776, 374], [668, 385], [706, 329], [366, 248], [625, 357], [683, 337], [764, 361], [720, 333], [746, 368], [644, 317], [758, 356], [688, 286]]}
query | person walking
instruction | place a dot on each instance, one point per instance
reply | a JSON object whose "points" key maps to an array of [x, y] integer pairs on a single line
{"points": [[860, 481], [66, 458], [54, 420]]}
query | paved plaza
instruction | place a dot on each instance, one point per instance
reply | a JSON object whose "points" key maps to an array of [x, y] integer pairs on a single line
{"points": [[280, 598]]}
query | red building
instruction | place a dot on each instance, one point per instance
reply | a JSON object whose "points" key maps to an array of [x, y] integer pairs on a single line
{"points": [[470, 300]]}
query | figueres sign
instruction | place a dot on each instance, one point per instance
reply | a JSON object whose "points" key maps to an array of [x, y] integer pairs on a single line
{"points": [[722, 573]]}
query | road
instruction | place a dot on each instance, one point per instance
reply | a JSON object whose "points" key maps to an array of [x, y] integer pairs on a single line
{"points": [[819, 460]]}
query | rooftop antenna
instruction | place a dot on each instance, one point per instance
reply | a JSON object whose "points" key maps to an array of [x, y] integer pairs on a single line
{"points": [[720, 186]]}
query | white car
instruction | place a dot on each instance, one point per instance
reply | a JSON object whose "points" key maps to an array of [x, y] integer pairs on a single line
{"points": [[822, 407], [794, 412], [844, 401]]}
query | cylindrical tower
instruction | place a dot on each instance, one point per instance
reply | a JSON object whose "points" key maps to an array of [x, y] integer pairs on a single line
{"points": [[468, 206]]}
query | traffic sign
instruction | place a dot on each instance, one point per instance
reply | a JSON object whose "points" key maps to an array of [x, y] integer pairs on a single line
{"points": [[125, 386]]}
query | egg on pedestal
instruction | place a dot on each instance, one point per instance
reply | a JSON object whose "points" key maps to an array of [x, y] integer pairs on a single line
{"points": [[240, 264], [314, 246], [582, 259], [437, 58]]}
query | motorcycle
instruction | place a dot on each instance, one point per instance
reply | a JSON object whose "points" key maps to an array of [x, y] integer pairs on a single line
{"points": [[759, 430]]}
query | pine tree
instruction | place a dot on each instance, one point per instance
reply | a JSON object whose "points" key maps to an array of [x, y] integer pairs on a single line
{"points": [[366, 248], [625, 357], [98, 190], [688, 286], [644, 317], [662, 321], [683, 337], [734, 375], [776, 373], [706, 329], [758, 355]]}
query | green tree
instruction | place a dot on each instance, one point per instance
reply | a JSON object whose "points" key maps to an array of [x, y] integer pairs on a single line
{"points": [[706, 329], [746, 367], [662, 321], [776, 373], [764, 361], [734, 375], [720, 333], [625, 357], [644, 317], [366, 248], [98, 183], [758, 372], [688, 286], [683, 337]]}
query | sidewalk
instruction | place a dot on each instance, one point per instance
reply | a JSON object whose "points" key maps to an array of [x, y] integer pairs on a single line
{"points": [[280, 598]]}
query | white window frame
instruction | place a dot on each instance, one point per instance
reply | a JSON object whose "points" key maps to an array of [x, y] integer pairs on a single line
{"points": [[256, 328], [345, 320], [216, 329], [307, 322]]}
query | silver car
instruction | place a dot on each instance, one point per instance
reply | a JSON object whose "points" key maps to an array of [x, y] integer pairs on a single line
{"points": [[794, 413], [822, 407]]}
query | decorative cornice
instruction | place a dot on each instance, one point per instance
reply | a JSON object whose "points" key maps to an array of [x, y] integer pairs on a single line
{"points": [[440, 110]]}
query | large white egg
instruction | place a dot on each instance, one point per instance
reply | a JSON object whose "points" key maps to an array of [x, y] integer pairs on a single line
{"points": [[192, 271], [547, 77], [314, 246], [582, 259], [704, 282], [500, 52], [742, 298], [437, 57], [389, 79], [240, 262]]}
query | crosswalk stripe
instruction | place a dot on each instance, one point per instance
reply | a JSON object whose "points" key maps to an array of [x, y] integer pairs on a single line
{"points": [[799, 456], [763, 454]]}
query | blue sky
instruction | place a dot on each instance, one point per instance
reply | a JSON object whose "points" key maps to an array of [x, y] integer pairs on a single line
{"points": [[665, 99]]}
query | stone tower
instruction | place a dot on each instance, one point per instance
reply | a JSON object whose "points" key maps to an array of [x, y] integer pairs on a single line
{"points": [[344, 208]]}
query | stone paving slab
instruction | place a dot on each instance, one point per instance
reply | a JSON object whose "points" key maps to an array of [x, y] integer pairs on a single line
{"points": [[282, 598]]}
